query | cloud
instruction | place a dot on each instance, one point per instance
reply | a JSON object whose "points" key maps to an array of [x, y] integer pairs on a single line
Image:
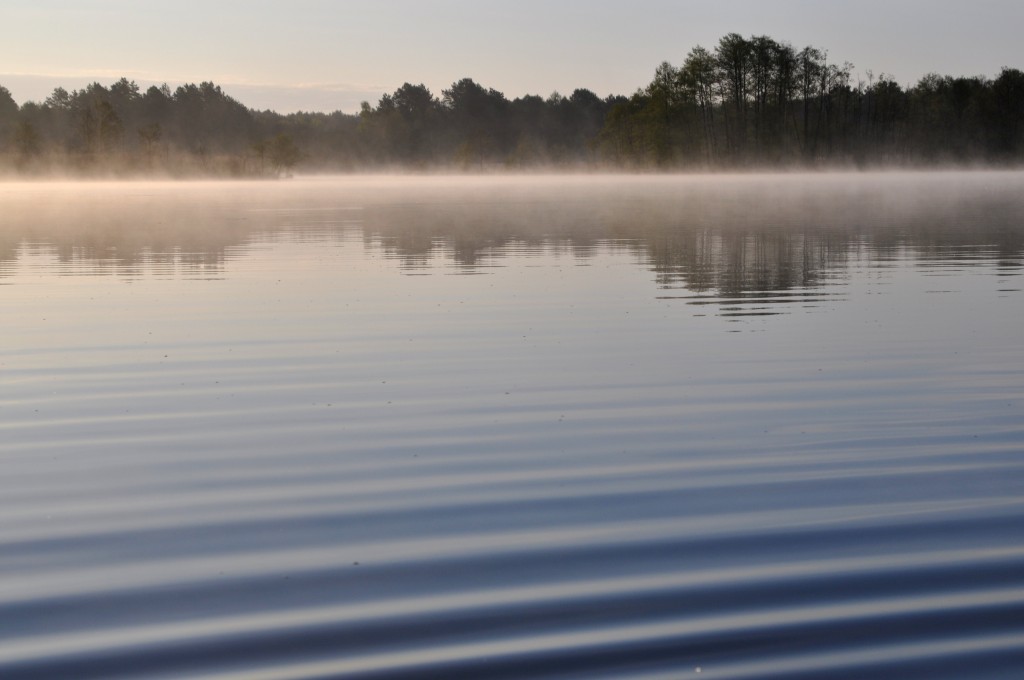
{"points": [[304, 97], [280, 97]]}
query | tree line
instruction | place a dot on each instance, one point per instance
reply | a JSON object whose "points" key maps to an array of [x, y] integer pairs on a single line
{"points": [[748, 102]]}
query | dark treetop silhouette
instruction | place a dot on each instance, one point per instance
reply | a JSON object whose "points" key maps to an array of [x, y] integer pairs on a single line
{"points": [[749, 102]]}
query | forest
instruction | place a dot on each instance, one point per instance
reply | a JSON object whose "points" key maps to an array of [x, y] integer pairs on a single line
{"points": [[754, 103]]}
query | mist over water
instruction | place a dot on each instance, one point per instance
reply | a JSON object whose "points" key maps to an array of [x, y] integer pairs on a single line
{"points": [[535, 426]]}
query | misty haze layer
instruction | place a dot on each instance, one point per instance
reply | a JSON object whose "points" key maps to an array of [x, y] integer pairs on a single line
{"points": [[750, 102]]}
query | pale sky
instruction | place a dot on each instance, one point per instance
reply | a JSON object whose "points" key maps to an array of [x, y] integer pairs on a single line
{"points": [[320, 55]]}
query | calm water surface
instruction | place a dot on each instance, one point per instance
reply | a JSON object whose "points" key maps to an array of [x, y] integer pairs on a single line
{"points": [[578, 427]]}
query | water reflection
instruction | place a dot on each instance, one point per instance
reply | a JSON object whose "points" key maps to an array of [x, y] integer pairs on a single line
{"points": [[321, 465], [727, 237]]}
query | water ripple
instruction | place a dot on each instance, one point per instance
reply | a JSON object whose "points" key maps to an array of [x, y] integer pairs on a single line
{"points": [[276, 432]]}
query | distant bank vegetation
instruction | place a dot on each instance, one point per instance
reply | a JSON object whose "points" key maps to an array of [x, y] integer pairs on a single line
{"points": [[749, 102]]}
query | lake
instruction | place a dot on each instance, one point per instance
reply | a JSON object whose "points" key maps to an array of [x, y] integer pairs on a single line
{"points": [[726, 426]]}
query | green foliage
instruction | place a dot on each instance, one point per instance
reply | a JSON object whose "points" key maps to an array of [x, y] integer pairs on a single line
{"points": [[8, 115], [26, 141], [757, 101], [1008, 99], [750, 101], [282, 153], [8, 107]]}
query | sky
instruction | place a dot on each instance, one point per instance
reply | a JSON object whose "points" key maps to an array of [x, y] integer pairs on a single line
{"points": [[322, 55]]}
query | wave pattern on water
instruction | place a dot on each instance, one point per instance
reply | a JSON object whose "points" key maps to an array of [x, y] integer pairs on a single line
{"points": [[258, 448]]}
